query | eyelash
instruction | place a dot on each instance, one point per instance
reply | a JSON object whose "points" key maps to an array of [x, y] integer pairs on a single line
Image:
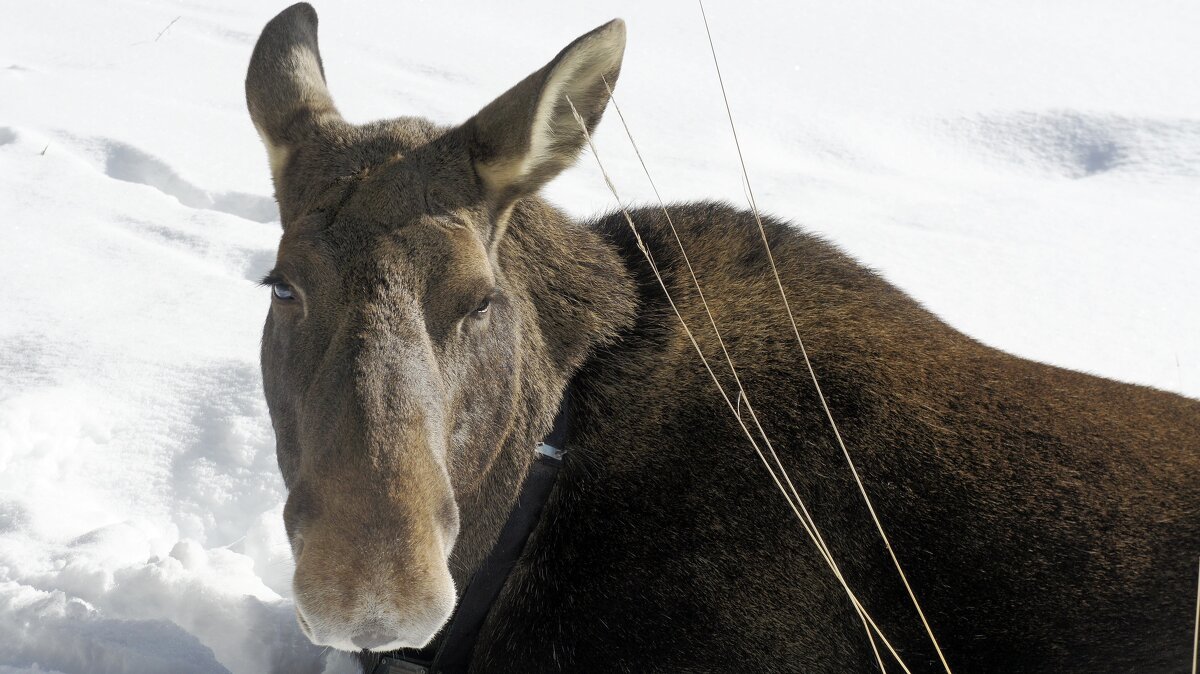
{"points": [[280, 288], [283, 291]]}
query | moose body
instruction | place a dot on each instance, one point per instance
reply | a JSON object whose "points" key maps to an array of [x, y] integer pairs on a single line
{"points": [[430, 310], [1040, 512]]}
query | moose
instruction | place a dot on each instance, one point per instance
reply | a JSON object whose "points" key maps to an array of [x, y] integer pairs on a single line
{"points": [[431, 316]]}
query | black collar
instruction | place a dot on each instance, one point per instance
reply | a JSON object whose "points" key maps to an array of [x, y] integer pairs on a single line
{"points": [[450, 652]]}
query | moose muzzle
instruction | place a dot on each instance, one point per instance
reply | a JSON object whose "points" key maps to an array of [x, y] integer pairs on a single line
{"points": [[371, 561]]}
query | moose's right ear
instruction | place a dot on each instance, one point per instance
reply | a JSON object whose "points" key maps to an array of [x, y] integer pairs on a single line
{"points": [[527, 135], [285, 85]]}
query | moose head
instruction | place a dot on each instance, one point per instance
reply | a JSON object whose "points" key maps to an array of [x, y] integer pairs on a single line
{"points": [[409, 339]]}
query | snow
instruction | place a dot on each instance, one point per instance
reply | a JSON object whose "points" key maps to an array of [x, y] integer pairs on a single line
{"points": [[1030, 171]]}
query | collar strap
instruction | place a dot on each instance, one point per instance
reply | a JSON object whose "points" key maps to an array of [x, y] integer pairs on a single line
{"points": [[451, 652]]}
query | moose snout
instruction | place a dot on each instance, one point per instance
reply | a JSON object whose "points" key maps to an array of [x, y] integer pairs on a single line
{"points": [[372, 639], [372, 574], [385, 631], [380, 599]]}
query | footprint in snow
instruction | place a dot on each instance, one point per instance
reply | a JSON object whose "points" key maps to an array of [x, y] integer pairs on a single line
{"points": [[128, 163], [1080, 145]]}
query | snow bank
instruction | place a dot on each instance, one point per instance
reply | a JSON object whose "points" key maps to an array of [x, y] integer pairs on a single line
{"points": [[1032, 173]]}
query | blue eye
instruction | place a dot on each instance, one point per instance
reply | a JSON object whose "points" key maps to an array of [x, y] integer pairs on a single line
{"points": [[282, 291]]}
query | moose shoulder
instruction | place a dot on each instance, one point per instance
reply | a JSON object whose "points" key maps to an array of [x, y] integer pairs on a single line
{"points": [[429, 311]]}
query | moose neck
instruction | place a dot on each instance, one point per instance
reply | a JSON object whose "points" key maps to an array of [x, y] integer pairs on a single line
{"points": [[575, 296]]}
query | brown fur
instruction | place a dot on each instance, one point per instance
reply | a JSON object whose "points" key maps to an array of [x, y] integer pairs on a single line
{"points": [[1049, 520]]}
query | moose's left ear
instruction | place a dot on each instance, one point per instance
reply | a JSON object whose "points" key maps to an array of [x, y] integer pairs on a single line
{"points": [[528, 135]]}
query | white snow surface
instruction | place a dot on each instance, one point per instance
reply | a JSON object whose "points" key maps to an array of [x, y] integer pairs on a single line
{"points": [[1028, 170]]}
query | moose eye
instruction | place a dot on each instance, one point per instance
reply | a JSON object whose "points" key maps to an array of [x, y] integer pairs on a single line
{"points": [[483, 307], [282, 291]]}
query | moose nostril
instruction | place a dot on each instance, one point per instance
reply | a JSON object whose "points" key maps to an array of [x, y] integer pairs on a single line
{"points": [[369, 640]]}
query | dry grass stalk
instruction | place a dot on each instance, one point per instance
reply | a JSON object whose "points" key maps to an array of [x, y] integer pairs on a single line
{"points": [[741, 392], [797, 506], [808, 364]]}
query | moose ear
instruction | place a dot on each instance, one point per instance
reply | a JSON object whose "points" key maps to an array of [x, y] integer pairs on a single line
{"points": [[285, 85], [528, 135]]}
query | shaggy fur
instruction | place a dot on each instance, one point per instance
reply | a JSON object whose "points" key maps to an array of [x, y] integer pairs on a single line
{"points": [[1049, 520]]}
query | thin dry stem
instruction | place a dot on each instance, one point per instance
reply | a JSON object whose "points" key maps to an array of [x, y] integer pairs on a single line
{"points": [[804, 352], [724, 395], [164, 30], [1196, 629], [741, 392]]}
